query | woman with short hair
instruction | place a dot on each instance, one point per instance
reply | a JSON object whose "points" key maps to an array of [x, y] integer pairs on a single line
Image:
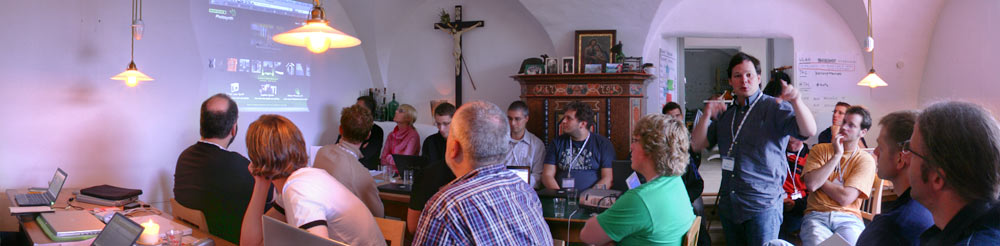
{"points": [[404, 139]]}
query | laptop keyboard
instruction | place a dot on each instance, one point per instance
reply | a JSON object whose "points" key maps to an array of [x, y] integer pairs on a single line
{"points": [[31, 199]]}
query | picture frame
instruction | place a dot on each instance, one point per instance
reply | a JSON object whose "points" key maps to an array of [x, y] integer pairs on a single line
{"points": [[568, 65], [593, 47], [552, 66], [532, 69], [613, 68], [632, 64], [592, 68]]}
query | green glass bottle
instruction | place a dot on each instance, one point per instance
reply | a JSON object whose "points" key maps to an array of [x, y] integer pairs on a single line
{"points": [[391, 108]]}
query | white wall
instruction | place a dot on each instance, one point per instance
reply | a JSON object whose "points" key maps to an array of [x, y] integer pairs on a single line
{"points": [[756, 47], [62, 110], [963, 52]]}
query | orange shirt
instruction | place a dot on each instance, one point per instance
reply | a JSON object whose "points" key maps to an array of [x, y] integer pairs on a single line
{"points": [[858, 172]]}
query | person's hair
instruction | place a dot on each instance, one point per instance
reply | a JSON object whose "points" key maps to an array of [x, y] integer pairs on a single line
{"points": [[482, 130], [356, 122], [410, 112], [583, 112], [963, 141], [445, 109], [665, 141], [738, 59], [898, 126], [670, 106], [843, 104], [275, 147], [216, 124], [866, 117], [773, 88], [369, 103], [519, 106]]}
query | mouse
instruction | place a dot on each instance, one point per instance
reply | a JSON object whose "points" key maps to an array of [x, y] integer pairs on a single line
{"points": [[204, 242]]}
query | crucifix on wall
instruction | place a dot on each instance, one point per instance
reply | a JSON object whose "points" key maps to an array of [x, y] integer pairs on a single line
{"points": [[456, 28]]}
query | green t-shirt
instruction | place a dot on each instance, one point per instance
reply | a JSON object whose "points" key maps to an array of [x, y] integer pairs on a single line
{"points": [[655, 213]]}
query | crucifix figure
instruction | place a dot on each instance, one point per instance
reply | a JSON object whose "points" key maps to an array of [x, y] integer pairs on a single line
{"points": [[456, 28]]}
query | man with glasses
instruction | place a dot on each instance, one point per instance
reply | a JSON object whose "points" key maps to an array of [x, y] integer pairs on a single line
{"points": [[955, 156], [904, 219], [840, 176], [525, 148]]}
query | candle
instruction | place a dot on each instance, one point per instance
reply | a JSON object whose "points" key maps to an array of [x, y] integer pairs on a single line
{"points": [[151, 235]]}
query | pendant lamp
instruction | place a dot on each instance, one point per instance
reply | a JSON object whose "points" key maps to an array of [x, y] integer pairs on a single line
{"points": [[872, 80], [317, 35], [132, 76]]}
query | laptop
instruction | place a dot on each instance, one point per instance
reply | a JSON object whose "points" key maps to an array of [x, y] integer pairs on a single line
{"points": [[47, 198], [119, 231], [522, 171], [73, 223], [409, 162], [278, 233]]}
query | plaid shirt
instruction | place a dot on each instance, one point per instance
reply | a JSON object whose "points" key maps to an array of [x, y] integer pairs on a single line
{"points": [[489, 205]]}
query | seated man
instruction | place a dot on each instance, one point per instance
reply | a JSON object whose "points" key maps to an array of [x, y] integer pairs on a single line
{"points": [[433, 147], [795, 190], [341, 159], [903, 220], [372, 146], [583, 159], [212, 179], [673, 109], [653, 213], [838, 182], [838, 117], [955, 173], [487, 204], [307, 198], [526, 149]]}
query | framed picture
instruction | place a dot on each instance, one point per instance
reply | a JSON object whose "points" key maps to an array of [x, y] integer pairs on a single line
{"points": [[567, 65], [593, 47], [613, 68], [551, 66], [592, 68], [632, 64], [531, 69]]}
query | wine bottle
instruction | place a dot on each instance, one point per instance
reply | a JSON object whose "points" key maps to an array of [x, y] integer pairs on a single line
{"points": [[393, 105]]}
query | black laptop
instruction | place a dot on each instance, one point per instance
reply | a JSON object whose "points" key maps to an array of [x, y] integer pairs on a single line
{"points": [[119, 231]]}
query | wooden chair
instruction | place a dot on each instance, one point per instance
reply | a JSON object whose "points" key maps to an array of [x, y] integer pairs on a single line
{"points": [[557, 242], [191, 216], [392, 230], [691, 237], [873, 205]]}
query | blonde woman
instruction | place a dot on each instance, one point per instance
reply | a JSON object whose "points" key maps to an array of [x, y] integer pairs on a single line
{"points": [[404, 139], [657, 212]]}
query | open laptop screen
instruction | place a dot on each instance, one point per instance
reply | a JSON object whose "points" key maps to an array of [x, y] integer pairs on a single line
{"points": [[119, 231], [57, 183]]}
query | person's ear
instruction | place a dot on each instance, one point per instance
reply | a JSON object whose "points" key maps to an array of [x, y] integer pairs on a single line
{"points": [[901, 161], [936, 178], [233, 130], [453, 151]]}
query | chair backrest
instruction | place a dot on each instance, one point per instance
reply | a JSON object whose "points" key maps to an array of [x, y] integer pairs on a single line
{"points": [[621, 169], [191, 216], [691, 237], [392, 230], [557, 242], [873, 205]]}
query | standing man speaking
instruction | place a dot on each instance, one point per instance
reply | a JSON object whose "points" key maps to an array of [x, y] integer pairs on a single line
{"points": [[752, 135]]}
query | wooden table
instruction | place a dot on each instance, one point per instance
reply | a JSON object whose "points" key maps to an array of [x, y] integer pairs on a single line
{"points": [[34, 233], [568, 226]]}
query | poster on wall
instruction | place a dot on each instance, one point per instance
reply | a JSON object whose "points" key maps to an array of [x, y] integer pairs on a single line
{"points": [[825, 79], [666, 76]]}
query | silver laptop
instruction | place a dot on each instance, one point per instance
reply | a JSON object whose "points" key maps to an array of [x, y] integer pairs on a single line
{"points": [[119, 231], [522, 171], [73, 223], [47, 198], [277, 233]]}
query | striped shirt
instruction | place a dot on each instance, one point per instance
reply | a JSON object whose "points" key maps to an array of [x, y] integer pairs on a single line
{"points": [[489, 205]]}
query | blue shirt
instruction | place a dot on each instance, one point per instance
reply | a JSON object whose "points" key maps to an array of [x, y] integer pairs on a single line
{"points": [[978, 223], [905, 220], [586, 169], [755, 182], [489, 205]]}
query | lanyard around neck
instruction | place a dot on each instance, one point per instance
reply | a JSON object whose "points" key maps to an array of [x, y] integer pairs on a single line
{"points": [[348, 150], [573, 161], [791, 172], [840, 173], [738, 129]]}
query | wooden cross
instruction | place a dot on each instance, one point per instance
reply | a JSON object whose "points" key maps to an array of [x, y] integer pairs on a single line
{"points": [[456, 28]]}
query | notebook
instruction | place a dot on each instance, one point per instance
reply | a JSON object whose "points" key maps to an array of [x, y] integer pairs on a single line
{"points": [[72, 223], [277, 233], [119, 231], [522, 171], [47, 198]]}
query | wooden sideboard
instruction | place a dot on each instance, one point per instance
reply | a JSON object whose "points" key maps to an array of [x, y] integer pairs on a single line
{"points": [[617, 98]]}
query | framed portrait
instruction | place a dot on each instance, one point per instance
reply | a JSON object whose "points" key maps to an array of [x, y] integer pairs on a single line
{"points": [[592, 68], [593, 47], [613, 68], [552, 66], [632, 64], [567, 65], [532, 69]]}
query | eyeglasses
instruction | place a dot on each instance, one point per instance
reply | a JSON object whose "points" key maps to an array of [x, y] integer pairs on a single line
{"points": [[908, 150]]}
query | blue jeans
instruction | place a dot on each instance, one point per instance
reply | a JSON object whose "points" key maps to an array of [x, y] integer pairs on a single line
{"points": [[819, 226], [756, 231]]}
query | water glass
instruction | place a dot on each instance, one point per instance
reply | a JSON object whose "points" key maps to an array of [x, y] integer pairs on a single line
{"points": [[571, 197], [559, 207], [174, 237], [408, 177]]}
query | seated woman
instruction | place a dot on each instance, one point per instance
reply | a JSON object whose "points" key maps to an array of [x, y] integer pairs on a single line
{"points": [[657, 212], [404, 139], [304, 197]]}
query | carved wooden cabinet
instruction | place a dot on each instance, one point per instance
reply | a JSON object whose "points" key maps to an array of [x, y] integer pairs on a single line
{"points": [[617, 99]]}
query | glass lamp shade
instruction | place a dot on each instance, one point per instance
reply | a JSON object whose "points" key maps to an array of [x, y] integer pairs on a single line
{"points": [[132, 76], [316, 36], [872, 80]]}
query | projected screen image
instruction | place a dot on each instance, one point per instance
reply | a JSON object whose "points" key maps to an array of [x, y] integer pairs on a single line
{"points": [[241, 59]]}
